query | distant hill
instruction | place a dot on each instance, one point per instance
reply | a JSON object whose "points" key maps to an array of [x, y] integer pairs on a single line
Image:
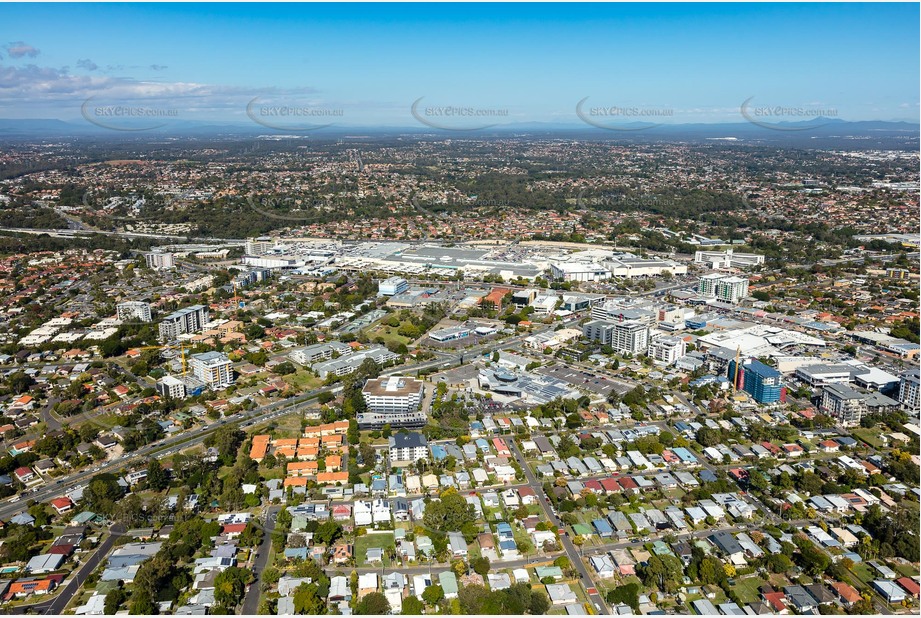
{"points": [[815, 133]]}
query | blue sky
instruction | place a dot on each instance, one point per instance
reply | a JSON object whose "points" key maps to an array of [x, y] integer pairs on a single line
{"points": [[366, 64]]}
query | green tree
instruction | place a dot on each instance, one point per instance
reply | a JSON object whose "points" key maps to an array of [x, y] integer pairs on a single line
{"points": [[157, 477], [372, 604], [433, 594]]}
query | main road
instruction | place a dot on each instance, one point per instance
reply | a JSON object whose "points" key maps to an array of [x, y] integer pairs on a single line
{"points": [[66, 594]]}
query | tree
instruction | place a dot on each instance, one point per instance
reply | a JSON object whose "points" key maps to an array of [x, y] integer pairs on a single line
{"points": [[373, 603], [308, 601], [142, 603], [662, 571], [433, 594], [328, 532], [229, 586], [157, 478], [628, 594], [114, 599], [412, 606]]}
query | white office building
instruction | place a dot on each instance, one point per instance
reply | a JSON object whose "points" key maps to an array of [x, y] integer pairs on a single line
{"points": [[579, 271], [184, 321], [728, 259], [259, 246], [392, 286], [160, 260], [393, 401], [133, 311], [213, 368]]}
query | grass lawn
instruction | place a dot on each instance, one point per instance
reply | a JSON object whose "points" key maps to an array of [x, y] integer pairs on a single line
{"points": [[863, 572], [302, 380], [367, 541], [388, 334], [908, 570], [870, 436], [747, 589]]}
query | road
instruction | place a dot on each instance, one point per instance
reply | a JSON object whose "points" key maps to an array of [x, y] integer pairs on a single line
{"points": [[251, 600], [66, 594], [574, 556], [163, 448]]}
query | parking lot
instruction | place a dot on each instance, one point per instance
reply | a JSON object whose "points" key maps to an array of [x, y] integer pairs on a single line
{"points": [[601, 385]]}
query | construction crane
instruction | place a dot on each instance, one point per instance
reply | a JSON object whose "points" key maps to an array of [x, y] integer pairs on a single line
{"points": [[168, 347], [735, 373]]}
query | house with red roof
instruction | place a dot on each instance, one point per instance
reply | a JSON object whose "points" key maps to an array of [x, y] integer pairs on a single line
{"points": [[62, 504], [24, 588], [847, 593], [910, 586], [610, 485], [628, 484], [25, 474], [232, 531], [527, 495], [776, 601], [829, 446], [593, 486]]}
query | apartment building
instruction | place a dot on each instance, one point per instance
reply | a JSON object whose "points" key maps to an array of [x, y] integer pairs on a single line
{"points": [[667, 349], [213, 368], [844, 403], [184, 321], [160, 260], [408, 447], [133, 311], [628, 337]]}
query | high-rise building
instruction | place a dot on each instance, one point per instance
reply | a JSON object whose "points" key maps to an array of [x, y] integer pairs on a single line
{"points": [[760, 381], [706, 285], [189, 320], [909, 386], [259, 246], [732, 289], [213, 368], [667, 349], [159, 260], [171, 387], [392, 286], [844, 403], [627, 337], [133, 311], [726, 288], [407, 447], [393, 401]]}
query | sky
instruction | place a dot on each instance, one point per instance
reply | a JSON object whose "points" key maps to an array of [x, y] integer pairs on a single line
{"points": [[459, 65]]}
